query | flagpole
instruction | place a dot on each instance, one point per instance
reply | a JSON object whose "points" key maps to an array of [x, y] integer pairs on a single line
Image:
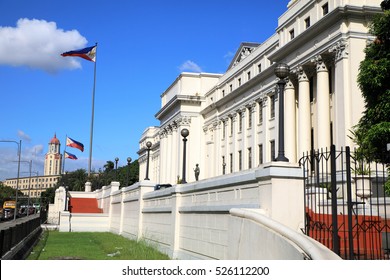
{"points": [[63, 162], [93, 111]]}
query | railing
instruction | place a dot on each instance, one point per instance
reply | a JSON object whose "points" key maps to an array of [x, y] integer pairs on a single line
{"points": [[347, 204], [15, 237]]}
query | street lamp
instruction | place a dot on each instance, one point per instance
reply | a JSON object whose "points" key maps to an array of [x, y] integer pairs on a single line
{"points": [[29, 185], [282, 71], [148, 146], [116, 168], [128, 170], [17, 182], [184, 133]]}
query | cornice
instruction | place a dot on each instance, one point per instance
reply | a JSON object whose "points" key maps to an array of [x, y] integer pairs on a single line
{"points": [[268, 72], [176, 101], [321, 26]]}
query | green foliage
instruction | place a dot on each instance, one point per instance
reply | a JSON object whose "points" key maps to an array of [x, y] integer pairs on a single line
{"points": [[7, 193], [125, 175], [92, 246], [373, 129], [75, 180], [48, 195]]}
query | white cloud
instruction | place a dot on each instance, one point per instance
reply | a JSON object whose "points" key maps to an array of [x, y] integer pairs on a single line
{"points": [[190, 66], [38, 44], [228, 57], [24, 136]]}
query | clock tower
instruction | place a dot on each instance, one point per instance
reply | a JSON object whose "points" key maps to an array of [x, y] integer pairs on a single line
{"points": [[53, 158]]}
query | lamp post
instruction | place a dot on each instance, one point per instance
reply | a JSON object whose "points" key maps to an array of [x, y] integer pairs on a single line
{"points": [[29, 185], [116, 168], [282, 71], [17, 182], [184, 133], [148, 146], [128, 170]]}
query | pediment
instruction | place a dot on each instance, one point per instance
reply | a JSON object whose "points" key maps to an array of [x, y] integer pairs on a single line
{"points": [[243, 51]]}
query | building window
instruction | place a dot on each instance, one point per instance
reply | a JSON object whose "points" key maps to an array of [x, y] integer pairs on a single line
{"points": [[249, 118], [249, 158], [231, 87], [231, 126], [223, 93], [249, 75], [272, 144], [259, 67], [223, 165], [239, 81], [239, 122], [239, 160], [325, 9], [223, 130], [292, 34], [261, 160], [231, 163], [307, 22], [311, 89], [260, 112], [272, 106]]}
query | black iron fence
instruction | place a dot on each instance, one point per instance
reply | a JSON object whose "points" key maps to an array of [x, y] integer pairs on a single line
{"points": [[16, 236], [347, 204]]}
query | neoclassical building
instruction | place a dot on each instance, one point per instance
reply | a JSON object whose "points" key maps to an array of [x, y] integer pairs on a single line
{"points": [[232, 117]]}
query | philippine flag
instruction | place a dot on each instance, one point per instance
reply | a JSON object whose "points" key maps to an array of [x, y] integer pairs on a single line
{"points": [[86, 53], [69, 155], [74, 144]]}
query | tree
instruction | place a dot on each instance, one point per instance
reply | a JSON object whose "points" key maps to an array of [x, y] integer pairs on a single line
{"points": [[48, 195], [75, 180], [109, 166], [373, 128], [7, 193]]}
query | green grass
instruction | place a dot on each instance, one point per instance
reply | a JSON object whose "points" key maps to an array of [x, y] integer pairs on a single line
{"points": [[54, 245]]}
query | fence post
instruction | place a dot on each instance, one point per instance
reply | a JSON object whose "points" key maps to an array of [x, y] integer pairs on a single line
{"points": [[335, 235], [349, 202]]}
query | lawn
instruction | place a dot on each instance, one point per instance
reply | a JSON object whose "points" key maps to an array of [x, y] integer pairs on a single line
{"points": [[54, 245]]}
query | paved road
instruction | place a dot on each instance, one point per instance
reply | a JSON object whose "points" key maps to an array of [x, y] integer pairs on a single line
{"points": [[7, 224]]}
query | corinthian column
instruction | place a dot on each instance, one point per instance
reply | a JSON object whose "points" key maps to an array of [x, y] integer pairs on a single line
{"points": [[289, 121], [322, 106], [304, 117]]}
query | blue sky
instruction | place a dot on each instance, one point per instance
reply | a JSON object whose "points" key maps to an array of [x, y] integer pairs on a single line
{"points": [[142, 47]]}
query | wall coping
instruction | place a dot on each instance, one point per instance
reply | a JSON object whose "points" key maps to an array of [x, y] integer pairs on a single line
{"points": [[313, 249]]}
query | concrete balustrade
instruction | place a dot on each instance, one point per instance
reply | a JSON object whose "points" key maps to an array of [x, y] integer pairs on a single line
{"points": [[243, 215]]}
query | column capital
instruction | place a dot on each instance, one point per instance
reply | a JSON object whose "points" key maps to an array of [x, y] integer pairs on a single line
{"points": [[320, 63], [233, 116], [302, 74], [339, 49], [289, 85]]}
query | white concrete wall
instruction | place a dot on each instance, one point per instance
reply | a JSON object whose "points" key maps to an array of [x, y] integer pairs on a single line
{"points": [[262, 208]]}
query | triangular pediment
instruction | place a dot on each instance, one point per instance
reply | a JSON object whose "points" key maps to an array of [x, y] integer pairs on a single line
{"points": [[243, 51]]}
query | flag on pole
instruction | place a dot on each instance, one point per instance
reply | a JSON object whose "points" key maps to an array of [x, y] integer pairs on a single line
{"points": [[86, 53], [74, 144], [70, 156]]}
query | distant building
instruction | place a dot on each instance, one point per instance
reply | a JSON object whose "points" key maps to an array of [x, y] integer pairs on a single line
{"points": [[53, 158], [33, 186], [232, 117]]}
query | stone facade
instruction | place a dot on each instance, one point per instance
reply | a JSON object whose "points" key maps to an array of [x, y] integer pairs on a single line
{"points": [[232, 118]]}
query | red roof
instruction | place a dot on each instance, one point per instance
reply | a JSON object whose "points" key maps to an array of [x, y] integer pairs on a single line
{"points": [[54, 140]]}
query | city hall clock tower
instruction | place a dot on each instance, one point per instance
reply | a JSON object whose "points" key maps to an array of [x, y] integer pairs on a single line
{"points": [[53, 158]]}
